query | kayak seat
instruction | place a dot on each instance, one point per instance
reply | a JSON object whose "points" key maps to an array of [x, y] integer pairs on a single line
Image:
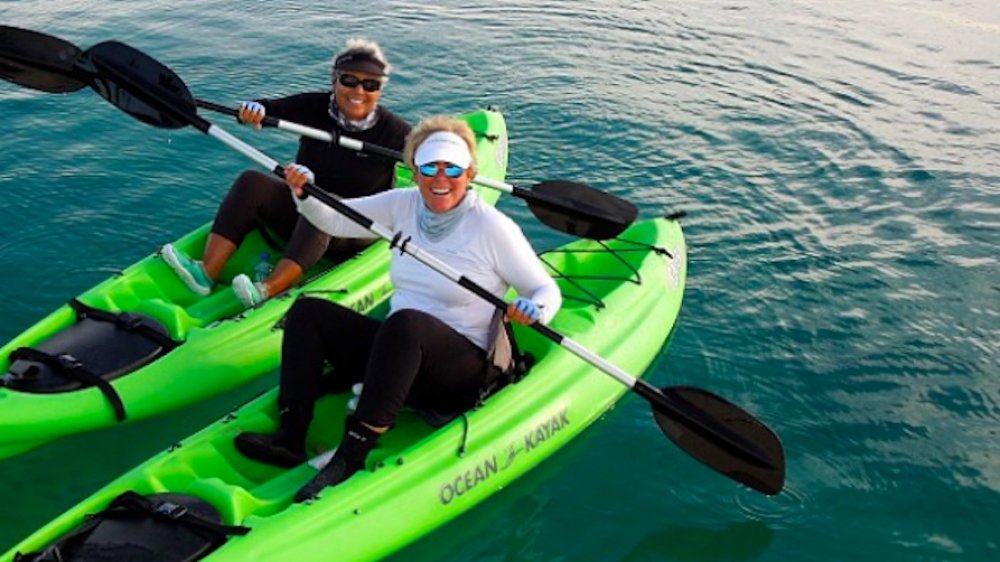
{"points": [[155, 528], [505, 364], [99, 347]]}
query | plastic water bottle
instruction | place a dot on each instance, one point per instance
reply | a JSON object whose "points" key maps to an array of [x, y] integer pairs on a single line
{"points": [[352, 404], [263, 268]]}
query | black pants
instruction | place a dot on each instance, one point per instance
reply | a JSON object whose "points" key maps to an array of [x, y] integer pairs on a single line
{"points": [[260, 199], [410, 358]]}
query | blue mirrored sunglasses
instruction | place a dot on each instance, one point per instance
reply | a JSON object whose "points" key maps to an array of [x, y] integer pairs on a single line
{"points": [[450, 170]]}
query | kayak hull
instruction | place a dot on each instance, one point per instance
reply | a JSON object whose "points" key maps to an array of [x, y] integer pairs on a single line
{"points": [[418, 477]]}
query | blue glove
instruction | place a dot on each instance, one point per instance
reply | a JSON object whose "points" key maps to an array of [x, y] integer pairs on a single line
{"points": [[252, 113], [528, 308]]}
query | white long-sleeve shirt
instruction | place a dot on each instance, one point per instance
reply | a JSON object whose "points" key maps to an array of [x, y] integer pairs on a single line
{"points": [[486, 246]]}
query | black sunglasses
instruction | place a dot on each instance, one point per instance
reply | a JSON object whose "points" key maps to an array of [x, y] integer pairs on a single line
{"points": [[352, 81]]}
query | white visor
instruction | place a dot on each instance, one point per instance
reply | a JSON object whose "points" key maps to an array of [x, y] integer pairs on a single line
{"points": [[443, 146]]}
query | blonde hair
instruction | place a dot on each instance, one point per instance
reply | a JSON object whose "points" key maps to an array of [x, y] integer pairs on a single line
{"points": [[434, 124]]}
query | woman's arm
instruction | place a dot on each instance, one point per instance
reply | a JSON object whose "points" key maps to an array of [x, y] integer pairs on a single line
{"points": [[519, 266], [382, 208]]}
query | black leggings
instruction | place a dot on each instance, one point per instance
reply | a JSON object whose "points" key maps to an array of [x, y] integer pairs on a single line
{"points": [[410, 358], [260, 199]]}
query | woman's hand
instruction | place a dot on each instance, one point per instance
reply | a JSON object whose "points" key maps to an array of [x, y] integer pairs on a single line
{"points": [[524, 311], [251, 113], [296, 176]]}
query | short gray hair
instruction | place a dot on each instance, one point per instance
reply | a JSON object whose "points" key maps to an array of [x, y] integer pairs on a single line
{"points": [[360, 45]]}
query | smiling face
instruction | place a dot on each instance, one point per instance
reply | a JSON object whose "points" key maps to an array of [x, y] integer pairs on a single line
{"points": [[356, 103], [440, 192], [440, 151]]}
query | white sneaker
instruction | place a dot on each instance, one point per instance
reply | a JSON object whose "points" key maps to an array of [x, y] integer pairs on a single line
{"points": [[190, 271], [250, 294]]}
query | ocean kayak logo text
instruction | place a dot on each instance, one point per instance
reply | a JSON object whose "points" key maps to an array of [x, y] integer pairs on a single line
{"points": [[497, 462], [369, 300]]}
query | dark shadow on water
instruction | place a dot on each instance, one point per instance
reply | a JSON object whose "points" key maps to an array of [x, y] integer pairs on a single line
{"points": [[745, 540]]}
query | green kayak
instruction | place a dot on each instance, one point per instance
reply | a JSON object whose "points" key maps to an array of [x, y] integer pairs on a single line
{"points": [[140, 343], [203, 500]]}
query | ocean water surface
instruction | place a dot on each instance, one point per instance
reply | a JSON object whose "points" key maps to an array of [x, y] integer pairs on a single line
{"points": [[838, 164]]}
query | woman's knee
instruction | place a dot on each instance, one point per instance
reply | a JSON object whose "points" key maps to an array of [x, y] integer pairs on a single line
{"points": [[250, 180], [409, 322], [306, 245], [241, 205]]}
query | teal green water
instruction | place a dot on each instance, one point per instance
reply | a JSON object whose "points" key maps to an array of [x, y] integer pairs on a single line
{"points": [[839, 168]]}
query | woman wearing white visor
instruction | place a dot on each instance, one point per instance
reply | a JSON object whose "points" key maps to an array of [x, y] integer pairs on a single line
{"points": [[430, 351]]}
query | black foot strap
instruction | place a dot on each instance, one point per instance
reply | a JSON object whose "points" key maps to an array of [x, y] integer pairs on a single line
{"points": [[67, 366]]}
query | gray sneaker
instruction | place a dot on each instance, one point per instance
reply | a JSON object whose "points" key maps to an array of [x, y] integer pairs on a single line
{"points": [[250, 294], [190, 271]]}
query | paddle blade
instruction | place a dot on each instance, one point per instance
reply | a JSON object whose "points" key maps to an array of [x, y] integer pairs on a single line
{"points": [[39, 61], [579, 209], [139, 85], [727, 424]]}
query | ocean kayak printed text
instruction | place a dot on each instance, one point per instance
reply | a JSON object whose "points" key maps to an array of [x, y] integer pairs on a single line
{"points": [[470, 478]]}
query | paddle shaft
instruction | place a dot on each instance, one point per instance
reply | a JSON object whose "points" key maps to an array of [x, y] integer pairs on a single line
{"points": [[346, 142]]}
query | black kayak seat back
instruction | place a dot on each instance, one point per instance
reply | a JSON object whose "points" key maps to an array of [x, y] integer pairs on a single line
{"points": [[108, 348], [164, 527]]}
